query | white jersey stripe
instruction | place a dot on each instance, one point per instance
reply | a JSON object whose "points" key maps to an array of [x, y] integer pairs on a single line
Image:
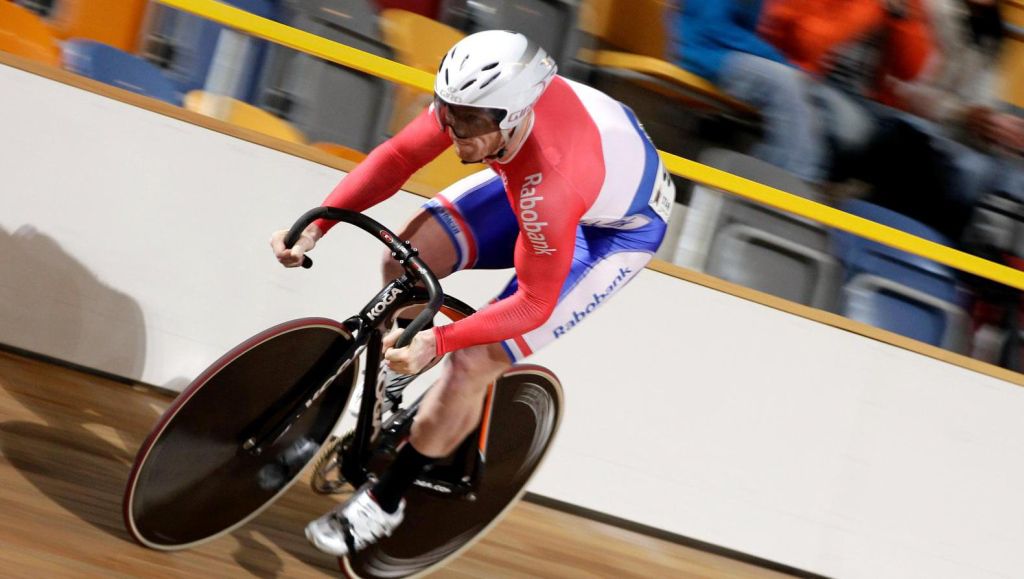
{"points": [[624, 154]]}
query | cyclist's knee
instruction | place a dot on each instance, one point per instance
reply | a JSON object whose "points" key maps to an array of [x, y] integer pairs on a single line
{"points": [[447, 424], [478, 365], [467, 374]]}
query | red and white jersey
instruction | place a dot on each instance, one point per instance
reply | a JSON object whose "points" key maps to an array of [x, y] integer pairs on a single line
{"points": [[609, 156], [586, 162]]}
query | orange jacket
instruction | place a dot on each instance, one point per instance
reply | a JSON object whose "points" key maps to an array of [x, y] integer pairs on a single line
{"points": [[806, 31]]}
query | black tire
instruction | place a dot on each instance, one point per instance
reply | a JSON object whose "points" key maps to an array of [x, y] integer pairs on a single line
{"points": [[191, 481], [526, 413]]}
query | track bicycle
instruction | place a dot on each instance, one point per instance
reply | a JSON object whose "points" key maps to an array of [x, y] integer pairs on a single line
{"points": [[247, 427]]}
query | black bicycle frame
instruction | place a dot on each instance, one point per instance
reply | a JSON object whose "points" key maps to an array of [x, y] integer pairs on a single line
{"points": [[462, 476], [372, 436]]}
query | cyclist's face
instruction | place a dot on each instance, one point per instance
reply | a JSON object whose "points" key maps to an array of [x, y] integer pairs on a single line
{"points": [[467, 122], [476, 149], [474, 131]]}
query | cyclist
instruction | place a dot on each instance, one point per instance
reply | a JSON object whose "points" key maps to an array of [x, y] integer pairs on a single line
{"points": [[573, 196]]}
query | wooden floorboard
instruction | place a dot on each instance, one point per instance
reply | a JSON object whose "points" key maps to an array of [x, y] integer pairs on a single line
{"points": [[67, 441]]}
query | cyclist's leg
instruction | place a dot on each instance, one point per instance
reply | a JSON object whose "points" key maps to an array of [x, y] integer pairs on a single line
{"points": [[451, 408], [465, 226], [474, 215]]}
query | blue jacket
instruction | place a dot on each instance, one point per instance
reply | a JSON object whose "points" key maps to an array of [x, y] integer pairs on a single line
{"points": [[706, 31]]}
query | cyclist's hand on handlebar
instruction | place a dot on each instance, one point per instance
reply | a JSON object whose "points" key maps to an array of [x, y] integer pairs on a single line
{"points": [[412, 358], [293, 257]]}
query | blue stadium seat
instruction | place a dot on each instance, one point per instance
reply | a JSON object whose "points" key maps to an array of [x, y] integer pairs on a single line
{"points": [[899, 291], [185, 45], [118, 68]]}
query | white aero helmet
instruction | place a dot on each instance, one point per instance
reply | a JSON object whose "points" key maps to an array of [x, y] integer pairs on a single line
{"points": [[499, 70]]}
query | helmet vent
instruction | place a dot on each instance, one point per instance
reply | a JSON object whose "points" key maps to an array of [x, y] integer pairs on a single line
{"points": [[490, 80], [489, 66], [465, 86], [463, 63]]}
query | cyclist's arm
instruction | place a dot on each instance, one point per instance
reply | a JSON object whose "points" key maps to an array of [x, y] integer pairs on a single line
{"points": [[388, 166], [542, 266]]}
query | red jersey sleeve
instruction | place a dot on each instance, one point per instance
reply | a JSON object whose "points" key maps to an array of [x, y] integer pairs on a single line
{"points": [[388, 167], [548, 209]]}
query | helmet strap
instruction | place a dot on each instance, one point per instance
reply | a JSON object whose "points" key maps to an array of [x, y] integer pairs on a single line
{"points": [[514, 139]]}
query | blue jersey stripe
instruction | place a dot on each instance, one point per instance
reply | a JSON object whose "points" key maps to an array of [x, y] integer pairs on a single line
{"points": [[642, 196], [436, 209], [511, 355]]}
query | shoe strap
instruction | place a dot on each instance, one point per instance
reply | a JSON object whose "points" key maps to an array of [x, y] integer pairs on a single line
{"points": [[346, 533]]}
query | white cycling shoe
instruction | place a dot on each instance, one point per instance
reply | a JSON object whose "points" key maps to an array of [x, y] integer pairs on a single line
{"points": [[352, 526]]}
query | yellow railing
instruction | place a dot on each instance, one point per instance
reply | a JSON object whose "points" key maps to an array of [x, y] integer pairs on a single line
{"points": [[305, 42], [399, 73]]}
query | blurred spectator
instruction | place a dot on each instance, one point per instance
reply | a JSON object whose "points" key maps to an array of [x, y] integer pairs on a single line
{"points": [[970, 148], [717, 40], [854, 47], [900, 115], [958, 88], [854, 44]]}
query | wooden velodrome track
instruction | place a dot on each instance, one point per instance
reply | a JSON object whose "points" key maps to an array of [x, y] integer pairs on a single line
{"points": [[67, 441]]}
